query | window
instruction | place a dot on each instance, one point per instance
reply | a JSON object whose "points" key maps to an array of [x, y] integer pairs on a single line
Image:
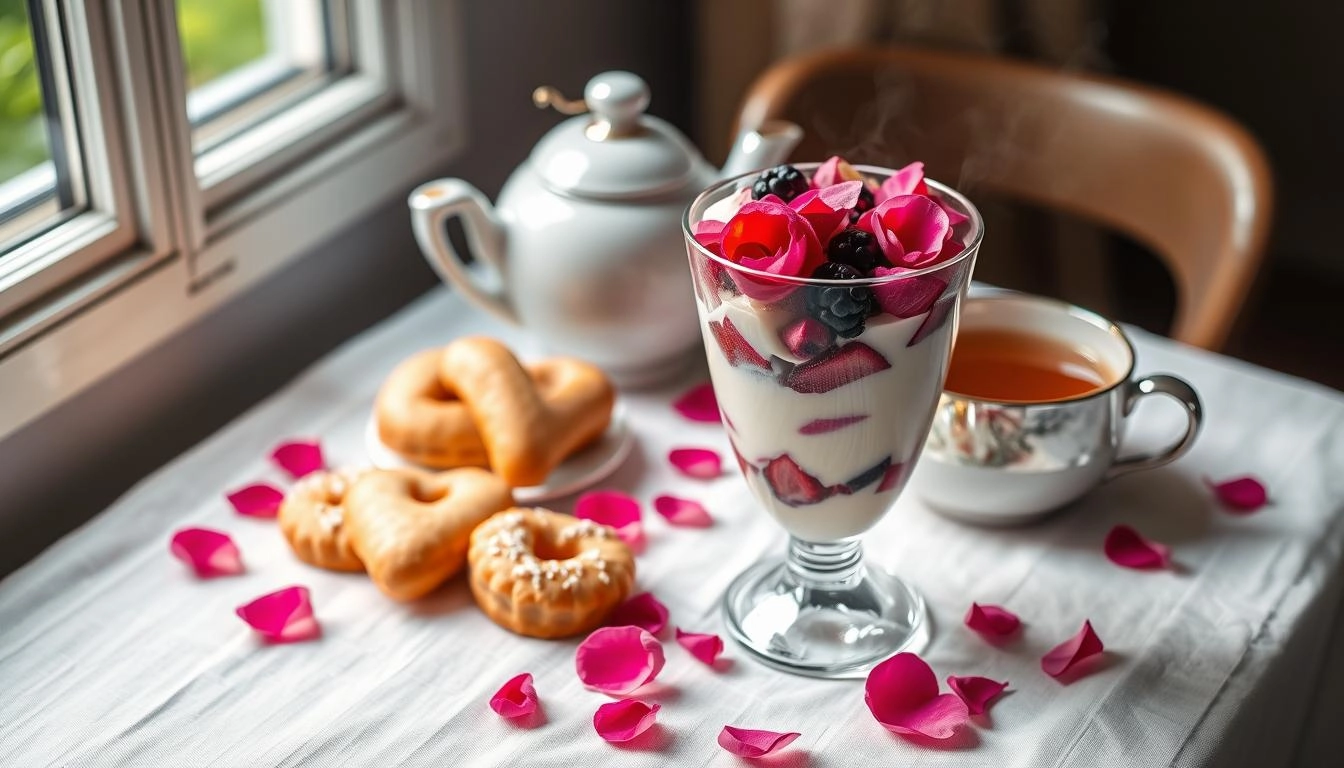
{"points": [[157, 158]]}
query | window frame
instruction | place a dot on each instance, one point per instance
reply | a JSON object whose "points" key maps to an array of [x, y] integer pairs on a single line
{"points": [[192, 252]]}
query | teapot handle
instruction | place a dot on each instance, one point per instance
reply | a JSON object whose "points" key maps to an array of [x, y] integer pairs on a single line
{"points": [[434, 203]]}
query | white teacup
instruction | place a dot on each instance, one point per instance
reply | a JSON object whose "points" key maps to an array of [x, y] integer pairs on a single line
{"points": [[998, 462]]}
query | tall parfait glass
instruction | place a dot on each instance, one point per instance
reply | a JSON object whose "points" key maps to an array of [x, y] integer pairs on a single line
{"points": [[827, 382]]}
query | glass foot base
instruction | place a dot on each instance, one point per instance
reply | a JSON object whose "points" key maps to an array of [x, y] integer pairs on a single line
{"points": [[836, 630]]}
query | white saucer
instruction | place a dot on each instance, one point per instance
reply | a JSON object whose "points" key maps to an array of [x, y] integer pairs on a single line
{"points": [[585, 468]]}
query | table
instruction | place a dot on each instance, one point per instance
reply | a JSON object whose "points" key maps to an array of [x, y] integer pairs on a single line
{"points": [[111, 654]]}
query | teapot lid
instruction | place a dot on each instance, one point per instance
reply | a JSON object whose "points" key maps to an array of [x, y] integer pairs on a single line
{"points": [[615, 151]]}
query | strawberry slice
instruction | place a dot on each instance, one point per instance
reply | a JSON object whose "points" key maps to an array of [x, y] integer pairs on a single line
{"points": [[792, 485], [935, 319], [835, 369], [892, 478], [807, 337], [736, 348]]}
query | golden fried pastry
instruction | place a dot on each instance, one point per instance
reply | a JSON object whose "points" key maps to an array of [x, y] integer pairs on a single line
{"points": [[530, 421], [411, 528], [422, 421], [313, 520], [543, 574]]}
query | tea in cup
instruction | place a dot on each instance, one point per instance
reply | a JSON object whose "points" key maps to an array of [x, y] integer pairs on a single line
{"points": [[1034, 409]]}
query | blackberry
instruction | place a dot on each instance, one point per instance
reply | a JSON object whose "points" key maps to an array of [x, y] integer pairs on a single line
{"points": [[783, 181], [841, 308], [856, 248], [864, 205]]}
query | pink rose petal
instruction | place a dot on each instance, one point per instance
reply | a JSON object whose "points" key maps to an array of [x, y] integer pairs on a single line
{"points": [[686, 513], [699, 404], [807, 337], [1125, 547], [703, 647], [992, 620], [976, 691], [257, 500], [910, 230], [908, 297], [828, 173], [827, 209], [822, 426], [745, 742], [1064, 656], [207, 551], [618, 660], [643, 611], [617, 510], [936, 318], [1242, 495], [769, 236], [620, 721], [517, 698], [907, 181], [902, 693], [299, 457], [283, 616], [700, 463]]}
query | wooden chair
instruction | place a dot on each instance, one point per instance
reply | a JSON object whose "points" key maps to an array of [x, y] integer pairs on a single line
{"points": [[1177, 177]]}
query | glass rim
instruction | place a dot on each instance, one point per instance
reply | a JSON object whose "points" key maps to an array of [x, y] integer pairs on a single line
{"points": [[977, 232]]}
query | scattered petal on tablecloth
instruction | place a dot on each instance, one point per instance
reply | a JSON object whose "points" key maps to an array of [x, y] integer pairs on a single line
{"points": [[643, 611], [992, 620], [699, 404], [616, 509], [902, 693], [1240, 495], [618, 660], [208, 552], [517, 698], [1064, 656], [256, 500], [699, 463], [299, 457], [976, 691], [687, 513], [746, 742], [706, 648], [283, 616], [619, 721], [1126, 547]]}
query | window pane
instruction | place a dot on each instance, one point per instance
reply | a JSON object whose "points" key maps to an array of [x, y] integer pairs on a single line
{"points": [[28, 186], [247, 59]]}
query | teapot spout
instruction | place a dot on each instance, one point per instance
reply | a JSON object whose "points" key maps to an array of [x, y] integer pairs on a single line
{"points": [[768, 144]]}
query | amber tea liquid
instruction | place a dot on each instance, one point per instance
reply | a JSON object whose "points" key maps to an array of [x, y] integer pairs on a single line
{"points": [[1011, 366]]}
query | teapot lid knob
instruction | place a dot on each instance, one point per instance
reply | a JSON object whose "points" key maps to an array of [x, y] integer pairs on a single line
{"points": [[617, 100]]}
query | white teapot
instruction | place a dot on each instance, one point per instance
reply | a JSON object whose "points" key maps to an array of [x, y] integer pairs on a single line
{"points": [[584, 247]]}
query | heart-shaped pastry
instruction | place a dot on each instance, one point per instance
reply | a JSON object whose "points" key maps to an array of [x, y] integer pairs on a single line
{"points": [[529, 419], [411, 528], [422, 421], [312, 518]]}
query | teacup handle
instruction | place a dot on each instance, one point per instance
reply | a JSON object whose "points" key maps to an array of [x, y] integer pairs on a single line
{"points": [[1181, 392], [434, 203]]}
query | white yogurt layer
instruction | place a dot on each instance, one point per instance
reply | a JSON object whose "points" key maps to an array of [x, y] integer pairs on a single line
{"points": [[766, 416]]}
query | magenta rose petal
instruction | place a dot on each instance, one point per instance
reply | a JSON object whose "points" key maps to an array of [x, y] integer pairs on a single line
{"points": [[624, 720], [704, 647], [699, 404], [1125, 547], [1242, 495], [256, 500], [517, 698], [936, 318], [992, 620], [822, 426], [910, 230], [685, 513], [209, 552], [283, 616], [906, 181], [750, 743], [827, 209], [1064, 656], [807, 337], [299, 457], [828, 173], [618, 660], [908, 297], [977, 692], [617, 510], [699, 463], [902, 693], [643, 611]]}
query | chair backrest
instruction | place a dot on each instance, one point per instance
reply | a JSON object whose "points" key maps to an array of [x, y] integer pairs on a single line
{"points": [[1177, 177]]}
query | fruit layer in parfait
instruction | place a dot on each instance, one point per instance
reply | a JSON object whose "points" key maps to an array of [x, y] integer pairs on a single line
{"points": [[827, 309]]}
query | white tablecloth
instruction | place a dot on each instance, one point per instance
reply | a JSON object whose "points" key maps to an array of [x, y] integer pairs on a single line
{"points": [[111, 654]]}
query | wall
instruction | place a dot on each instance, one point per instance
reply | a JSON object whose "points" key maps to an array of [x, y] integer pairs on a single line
{"points": [[60, 470]]}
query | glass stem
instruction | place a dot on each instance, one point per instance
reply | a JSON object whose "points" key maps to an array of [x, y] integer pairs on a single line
{"points": [[831, 565]]}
